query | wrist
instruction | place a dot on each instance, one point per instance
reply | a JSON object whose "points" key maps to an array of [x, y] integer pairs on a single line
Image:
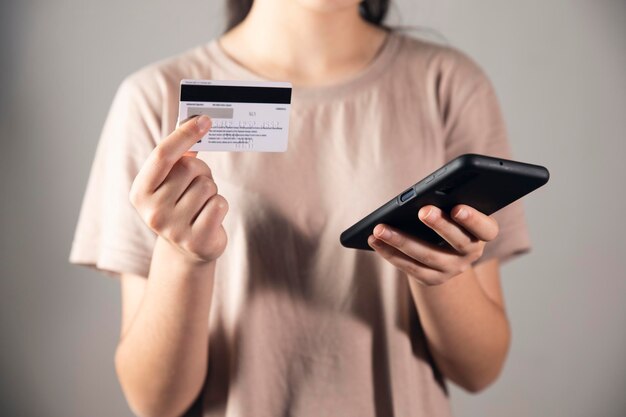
{"points": [[448, 285], [174, 257]]}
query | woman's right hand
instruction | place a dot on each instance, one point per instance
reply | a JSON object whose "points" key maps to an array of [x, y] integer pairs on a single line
{"points": [[176, 196]]}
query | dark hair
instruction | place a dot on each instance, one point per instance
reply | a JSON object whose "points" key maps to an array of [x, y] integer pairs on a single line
{"points": [[373, 11]]}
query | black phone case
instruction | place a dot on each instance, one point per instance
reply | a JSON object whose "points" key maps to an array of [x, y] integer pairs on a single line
{"points": [[483, 182]]}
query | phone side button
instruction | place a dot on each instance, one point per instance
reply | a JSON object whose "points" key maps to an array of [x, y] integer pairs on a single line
{"points": [[441, 172], [429, 179], [407, 195]]}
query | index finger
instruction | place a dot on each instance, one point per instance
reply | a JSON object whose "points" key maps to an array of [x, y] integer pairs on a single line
{"points": [[171, 149]]}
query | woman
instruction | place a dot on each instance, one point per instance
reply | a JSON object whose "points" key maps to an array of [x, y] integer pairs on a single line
{"points": [[237, 298]]}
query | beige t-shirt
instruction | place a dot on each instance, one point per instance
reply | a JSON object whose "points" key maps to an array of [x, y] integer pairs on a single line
{"points": [[299, 325]]}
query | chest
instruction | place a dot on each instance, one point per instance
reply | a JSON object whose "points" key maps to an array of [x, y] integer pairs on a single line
{"points": [[342, 162]]}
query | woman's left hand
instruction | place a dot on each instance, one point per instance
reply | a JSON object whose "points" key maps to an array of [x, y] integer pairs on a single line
{"points": [[467, 230]]}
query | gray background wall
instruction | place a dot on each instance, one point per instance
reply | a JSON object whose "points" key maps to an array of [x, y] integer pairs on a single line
{"points": [[560, 70]]}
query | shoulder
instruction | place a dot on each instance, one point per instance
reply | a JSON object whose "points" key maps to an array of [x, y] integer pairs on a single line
{"points": [[443, 66], [147, 99], [160, 80], [437, 57]]}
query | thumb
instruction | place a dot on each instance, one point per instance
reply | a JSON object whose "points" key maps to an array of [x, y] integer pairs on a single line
{"points": [[171, 149], [188, 153]]}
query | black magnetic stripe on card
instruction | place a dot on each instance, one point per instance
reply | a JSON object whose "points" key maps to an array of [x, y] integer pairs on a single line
{"points": [[235, 94]]}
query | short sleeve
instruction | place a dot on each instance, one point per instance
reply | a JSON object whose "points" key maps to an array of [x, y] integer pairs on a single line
{"points": [[110, 236], [473, 123]]}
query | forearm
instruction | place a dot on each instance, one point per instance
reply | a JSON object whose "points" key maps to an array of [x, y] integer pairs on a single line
{"points": [[161, 359], [468, 334]]}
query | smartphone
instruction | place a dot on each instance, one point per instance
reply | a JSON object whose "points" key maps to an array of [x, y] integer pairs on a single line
{"points": [[482, 182]]}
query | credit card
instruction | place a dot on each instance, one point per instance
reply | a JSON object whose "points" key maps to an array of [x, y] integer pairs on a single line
{"points": [[246, 115]]}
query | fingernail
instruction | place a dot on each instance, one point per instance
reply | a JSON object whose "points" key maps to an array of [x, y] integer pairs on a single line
{"points": [[461, 214], [382, 232], [427, 213], [203, 122]]}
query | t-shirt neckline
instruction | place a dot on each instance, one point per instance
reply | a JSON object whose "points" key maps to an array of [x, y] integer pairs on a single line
{"points": [[375, 68]]}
